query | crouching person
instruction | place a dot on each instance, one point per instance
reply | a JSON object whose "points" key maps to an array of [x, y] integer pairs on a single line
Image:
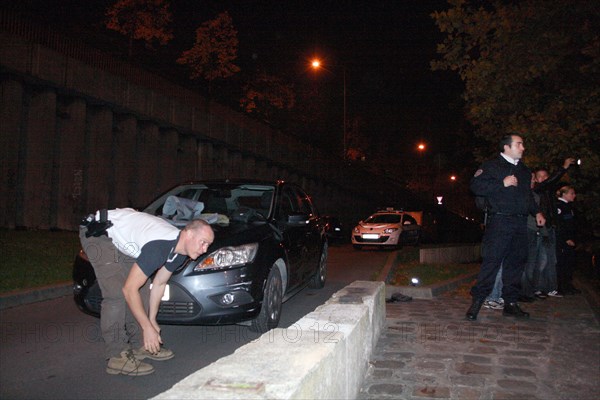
{"points": [[125, 247]]}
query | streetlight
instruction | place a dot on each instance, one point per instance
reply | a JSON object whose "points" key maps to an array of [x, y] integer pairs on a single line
{"points": [[316, 64]]}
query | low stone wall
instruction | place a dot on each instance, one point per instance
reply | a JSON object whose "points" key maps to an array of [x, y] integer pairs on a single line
{"points": [[451, 254], [324, 355]]}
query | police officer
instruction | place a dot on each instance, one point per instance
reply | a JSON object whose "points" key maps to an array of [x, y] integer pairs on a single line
{"points": [[505, 182]]}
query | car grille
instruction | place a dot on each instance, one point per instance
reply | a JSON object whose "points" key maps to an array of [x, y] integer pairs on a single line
{"points": [[166, 310], [382, 239], [176, 308]]}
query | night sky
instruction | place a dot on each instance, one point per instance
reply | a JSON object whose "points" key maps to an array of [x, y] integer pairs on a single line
{"points": [[385, 47]]}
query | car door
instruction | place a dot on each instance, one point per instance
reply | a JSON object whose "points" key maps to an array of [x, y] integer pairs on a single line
{"points": [[312, 235], [295, 226]]}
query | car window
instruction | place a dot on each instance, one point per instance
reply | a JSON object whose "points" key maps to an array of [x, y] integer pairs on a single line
{"points": [[408, 220], [288, 203], [305, 205], [384, 219]]}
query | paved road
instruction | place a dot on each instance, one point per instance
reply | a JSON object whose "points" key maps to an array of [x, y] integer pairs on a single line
{"points": [[50, 350]]}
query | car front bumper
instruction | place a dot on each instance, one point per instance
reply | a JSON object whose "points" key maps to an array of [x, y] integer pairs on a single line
{"points": [[215, 298], [375, 239]]}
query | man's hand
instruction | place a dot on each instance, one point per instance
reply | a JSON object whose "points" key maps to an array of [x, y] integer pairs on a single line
{"points": [[152, 339], [568, 162], [510, 180], [539, 219]]}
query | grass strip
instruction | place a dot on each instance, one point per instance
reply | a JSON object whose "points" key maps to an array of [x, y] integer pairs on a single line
{"points": [[36, 258], [407, 266]]}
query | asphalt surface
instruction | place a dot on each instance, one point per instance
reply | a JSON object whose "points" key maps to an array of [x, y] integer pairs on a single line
{"points": [[430, 351]]}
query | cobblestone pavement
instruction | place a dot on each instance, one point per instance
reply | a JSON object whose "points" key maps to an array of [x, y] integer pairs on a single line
{"points": [[429, 350]]}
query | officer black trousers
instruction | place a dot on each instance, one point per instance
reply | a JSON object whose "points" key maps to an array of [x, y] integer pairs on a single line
{"points": [[504, 243], [566, 259]]}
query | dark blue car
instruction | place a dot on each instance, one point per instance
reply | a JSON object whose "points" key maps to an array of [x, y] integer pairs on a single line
{"points": [[269, 243]]}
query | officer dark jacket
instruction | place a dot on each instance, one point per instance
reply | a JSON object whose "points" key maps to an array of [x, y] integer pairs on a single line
{"points": [[512, 200], [566, 224]]}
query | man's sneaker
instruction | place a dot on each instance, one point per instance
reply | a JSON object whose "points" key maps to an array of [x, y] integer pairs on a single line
{"points": [[128, 364], [494, 305], [540, 295], [554, 293], [163, 354]]}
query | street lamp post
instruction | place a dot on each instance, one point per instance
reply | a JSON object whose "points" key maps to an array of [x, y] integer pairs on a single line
{"points": [[344, 116], [316, 64]]}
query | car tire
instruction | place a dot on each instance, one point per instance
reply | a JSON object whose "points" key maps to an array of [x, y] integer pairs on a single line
{"points": [[270, 311], [418, 241], [318, 279], [357, 246]]}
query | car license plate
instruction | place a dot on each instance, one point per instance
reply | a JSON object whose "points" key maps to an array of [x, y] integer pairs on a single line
{"points": [[370, 236], [166, 295]]}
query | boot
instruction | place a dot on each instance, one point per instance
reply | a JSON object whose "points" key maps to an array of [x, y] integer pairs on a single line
{"points": [[163, 354], [127, 364], [474, 309], [513, 310]]}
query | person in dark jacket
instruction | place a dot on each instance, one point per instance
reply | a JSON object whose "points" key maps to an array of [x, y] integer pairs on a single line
{"points": [[539, 278], [565, 241], [505, 182]]}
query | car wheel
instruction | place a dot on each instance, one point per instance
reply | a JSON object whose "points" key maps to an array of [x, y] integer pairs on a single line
{"points": [[418, 240], [270, 312], [357, 246], [318, 279]]}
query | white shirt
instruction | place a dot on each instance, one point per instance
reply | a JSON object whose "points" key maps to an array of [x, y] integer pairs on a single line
{"points": [[132, 229], [509, 159]]}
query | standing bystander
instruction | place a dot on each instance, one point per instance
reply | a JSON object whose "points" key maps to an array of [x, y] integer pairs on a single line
{"points": [[540, 275]]}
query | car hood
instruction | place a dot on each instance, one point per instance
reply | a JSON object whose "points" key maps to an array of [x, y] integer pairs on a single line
{"points": [[378, 226], [238, 233]]}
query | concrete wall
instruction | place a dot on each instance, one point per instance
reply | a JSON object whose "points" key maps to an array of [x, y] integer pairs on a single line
{"points": [[82, 131], [326, 354]]}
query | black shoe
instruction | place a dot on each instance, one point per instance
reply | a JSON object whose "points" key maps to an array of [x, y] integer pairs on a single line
{"points": [[526, 299], [513, 310], [474, 309], [573, 290]]}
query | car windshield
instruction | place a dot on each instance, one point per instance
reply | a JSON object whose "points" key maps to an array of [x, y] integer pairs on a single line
{"points": [[384, 219], [214, 201]]}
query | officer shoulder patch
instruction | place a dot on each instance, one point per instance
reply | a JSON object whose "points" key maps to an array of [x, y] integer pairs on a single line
{"points": [[478, 172]]}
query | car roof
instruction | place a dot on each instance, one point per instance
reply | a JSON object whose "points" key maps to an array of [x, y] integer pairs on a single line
{"points": [[389, 211]]}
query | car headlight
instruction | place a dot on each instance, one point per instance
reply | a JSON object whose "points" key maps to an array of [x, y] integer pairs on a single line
{"points": [[390, 230], [226, 257], [356, 230]]}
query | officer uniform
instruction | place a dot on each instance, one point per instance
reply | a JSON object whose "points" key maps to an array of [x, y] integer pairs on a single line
{"points": [[505, 238], [565, 254]]}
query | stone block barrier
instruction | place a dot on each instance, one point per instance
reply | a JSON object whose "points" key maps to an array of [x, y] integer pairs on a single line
{"points": [[324, 355]]}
